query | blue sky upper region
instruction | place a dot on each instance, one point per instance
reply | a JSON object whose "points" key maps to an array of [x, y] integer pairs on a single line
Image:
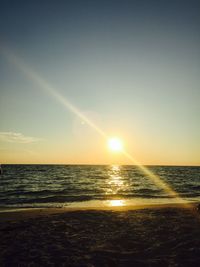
{"points": [[131, 67]]}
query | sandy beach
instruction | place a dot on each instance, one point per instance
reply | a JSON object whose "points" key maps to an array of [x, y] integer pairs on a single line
{"points": [[153, 236]]}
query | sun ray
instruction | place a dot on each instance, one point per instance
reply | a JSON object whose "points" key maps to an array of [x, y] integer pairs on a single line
{"points": [[158, 181], [43, 84]]}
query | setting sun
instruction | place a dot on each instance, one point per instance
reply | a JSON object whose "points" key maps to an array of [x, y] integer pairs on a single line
{"points": [[115, 144]]}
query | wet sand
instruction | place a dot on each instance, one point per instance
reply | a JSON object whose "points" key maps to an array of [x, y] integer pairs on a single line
{"points": [[141, 236]]}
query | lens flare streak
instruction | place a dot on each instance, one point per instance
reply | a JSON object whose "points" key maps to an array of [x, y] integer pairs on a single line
{"points": [[43, 84]]}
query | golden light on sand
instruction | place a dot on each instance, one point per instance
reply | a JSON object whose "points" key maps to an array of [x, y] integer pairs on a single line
{"points": [[117, 203], [115, 144]]}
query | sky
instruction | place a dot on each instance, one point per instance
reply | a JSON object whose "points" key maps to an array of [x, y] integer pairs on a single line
{"points": [[129, 68]]}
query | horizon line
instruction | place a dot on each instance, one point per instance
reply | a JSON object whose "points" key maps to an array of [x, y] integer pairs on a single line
{"points": [[99, 164]]}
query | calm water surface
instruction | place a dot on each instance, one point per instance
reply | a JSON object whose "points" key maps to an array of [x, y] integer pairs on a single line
{"points": [[67, 185]]}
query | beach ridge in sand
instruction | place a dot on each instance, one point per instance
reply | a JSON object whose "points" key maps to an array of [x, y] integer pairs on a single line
{"points": [[20, 213]]}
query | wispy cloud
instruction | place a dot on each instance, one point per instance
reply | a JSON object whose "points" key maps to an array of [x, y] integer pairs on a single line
{"points": [[17, 138]]}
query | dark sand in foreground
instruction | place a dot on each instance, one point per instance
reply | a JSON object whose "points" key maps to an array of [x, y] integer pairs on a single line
{"points": [[155, 236]]}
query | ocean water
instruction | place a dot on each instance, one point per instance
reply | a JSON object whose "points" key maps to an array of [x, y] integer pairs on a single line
{"points": [[24, 186]]}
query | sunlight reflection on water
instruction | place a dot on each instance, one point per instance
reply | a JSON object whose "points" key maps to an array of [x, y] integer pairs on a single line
{"points": [[115, 182]]}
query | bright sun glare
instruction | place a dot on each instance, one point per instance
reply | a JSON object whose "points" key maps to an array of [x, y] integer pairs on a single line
{"points": [[115, 144]]}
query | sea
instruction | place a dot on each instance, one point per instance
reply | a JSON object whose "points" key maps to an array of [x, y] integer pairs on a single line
{"points": [[49, 186]]}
